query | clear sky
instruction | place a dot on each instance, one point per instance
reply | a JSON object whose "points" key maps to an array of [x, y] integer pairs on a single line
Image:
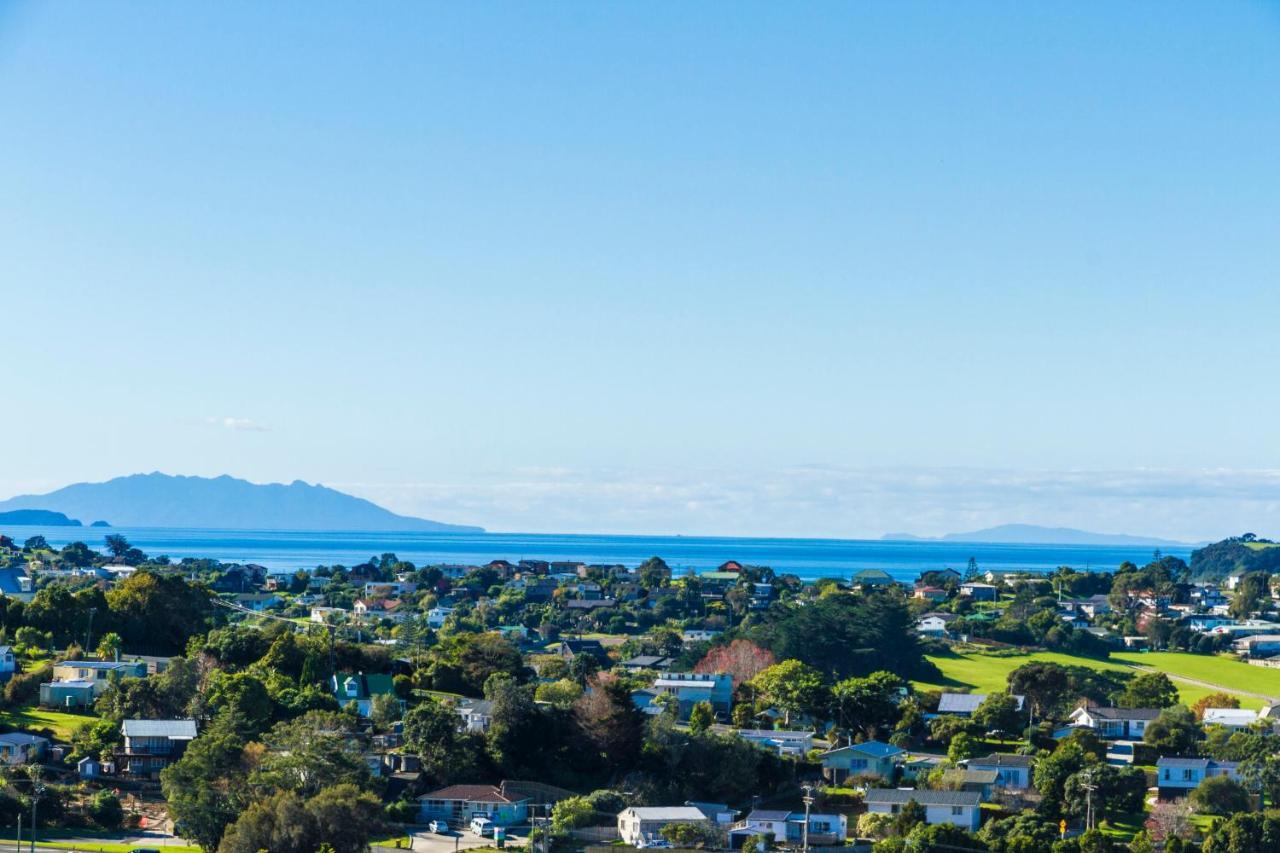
{"points": [[776, 269]]}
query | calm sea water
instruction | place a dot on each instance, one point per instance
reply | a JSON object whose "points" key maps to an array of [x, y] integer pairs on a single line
{"points": [[808, 558]]}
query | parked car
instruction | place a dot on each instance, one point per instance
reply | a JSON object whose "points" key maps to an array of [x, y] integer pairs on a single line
{"points": [[440, 826], [482, 826]]}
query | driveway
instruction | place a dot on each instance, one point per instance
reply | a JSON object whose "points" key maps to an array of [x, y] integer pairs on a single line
{"points": [[432, 842]]}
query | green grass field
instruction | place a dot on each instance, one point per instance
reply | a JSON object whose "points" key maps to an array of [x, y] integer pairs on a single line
{"points": [[31, 717], [983, 673]]}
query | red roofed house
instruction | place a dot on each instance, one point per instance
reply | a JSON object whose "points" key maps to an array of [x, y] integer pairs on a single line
{"points": [[458, 804]]}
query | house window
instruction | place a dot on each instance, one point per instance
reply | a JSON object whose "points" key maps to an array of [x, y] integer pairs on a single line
{"points": [[895, 808], [1186, 775], [956, 811]]}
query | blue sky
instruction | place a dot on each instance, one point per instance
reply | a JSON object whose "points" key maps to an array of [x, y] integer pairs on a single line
{"points": [[821, 269]]}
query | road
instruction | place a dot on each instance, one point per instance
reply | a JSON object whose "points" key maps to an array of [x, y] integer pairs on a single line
{"points": [[1208, 684], [431, 842]]}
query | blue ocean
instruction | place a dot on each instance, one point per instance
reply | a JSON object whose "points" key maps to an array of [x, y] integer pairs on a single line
{"points": [[808, 558]]}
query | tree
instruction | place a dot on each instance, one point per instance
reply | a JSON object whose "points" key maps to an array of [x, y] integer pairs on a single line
{"points": [[117, 545], [206, 789], [431, 730], [1046, 686], [572, 813], [1245, 832], [998, 712], [1221, 795], [1052, 772], [911, 815], [701, 717], [560, 694], [317, 750], [35, 543], [1248, 595], [613, 725], [793, 686], [742, 659], [77, 554], [1213, 700], [963, 746], [691, 835], [1174, 732], [109, 646], [1149, 690], [867, 704]]}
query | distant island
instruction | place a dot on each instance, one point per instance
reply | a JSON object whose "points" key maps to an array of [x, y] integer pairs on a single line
{"points": [[38, 518], [163, 500], [1031, 534]]}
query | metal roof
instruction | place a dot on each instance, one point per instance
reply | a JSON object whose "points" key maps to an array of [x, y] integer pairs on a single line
{"points": [[172, 729], [901, 796]]}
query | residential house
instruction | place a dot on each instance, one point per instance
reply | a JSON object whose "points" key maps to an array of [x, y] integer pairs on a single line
{"points": [[571, 648], [77, 683], [698, 635], [22, 748], [436, 616], [1177, 777], [938, 577], [1235, 719], [934, 624], [781, 742], [327, 615], [1115, 723], [961, 808], [476, 714], [152, 745], [380, 608], [458, 804], [964, 704], [964, 779], [870, 758], [872, 577], [788, 828], [640, 662], [359, 688], [639, 825], [8, 663], [1012, 771], [933, 594], [257, 601], [590, 605], [979, 591], [515, 633], [690, 688]]}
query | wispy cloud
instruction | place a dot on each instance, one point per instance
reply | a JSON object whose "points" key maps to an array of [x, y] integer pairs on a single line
{"points": [[849, 502], [242, 424]]}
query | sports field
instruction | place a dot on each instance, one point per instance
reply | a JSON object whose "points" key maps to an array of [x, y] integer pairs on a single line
{"points": [[978, 672]]}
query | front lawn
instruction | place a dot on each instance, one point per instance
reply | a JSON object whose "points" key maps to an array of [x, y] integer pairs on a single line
{"points": [[33, 718]]}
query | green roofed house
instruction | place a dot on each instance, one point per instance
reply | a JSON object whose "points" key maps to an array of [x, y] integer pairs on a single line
{"points": [[872, 577], [360, 688]]}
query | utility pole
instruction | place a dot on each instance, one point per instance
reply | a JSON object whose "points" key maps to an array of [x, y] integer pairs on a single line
{"points": [[1089, 788], [808, 802], [37, 788], [88, 637], [19, 847]]}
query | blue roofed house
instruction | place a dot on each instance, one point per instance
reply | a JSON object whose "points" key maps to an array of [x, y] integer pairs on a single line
{"points": [[871, 758], [788, 828], [16, 583]]}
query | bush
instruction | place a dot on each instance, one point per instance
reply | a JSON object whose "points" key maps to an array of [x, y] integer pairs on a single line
{"points": [[24, 687], [1221, 795], [105, 810]]}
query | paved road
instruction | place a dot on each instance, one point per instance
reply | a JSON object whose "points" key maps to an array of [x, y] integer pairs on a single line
{"points": [[431, 842], [1209, 684]]}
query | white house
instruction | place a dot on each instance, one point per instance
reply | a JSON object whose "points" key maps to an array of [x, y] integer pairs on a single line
{"points": [[690, 688], [1177, 777], [1115, 723], [979, 591], [934, 624], [476, 714], [8, 663], [436, 616], [1232, 718], [788, 828], [641, 824], [961, 808], [781, 742]]}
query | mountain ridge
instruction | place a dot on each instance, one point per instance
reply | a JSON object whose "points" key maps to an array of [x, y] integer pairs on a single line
{"points": [[1034, 534], [174, 501]]}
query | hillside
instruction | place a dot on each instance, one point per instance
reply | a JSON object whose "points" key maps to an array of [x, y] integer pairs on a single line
{"points": [[162, 500], [1032, 534], [1245, 553], [37, 518]]}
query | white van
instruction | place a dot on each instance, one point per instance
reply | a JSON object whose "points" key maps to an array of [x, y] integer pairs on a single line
{"points": [[481, 825]]}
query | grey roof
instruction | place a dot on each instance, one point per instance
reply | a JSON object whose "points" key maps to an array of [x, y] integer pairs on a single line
{"points": [[965, 703], [1002, 759], [671, 813], [22, 737], [764, 814], [172, 729], [1202, 763], [1124, 713], [902, 796], [97, 664]]}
